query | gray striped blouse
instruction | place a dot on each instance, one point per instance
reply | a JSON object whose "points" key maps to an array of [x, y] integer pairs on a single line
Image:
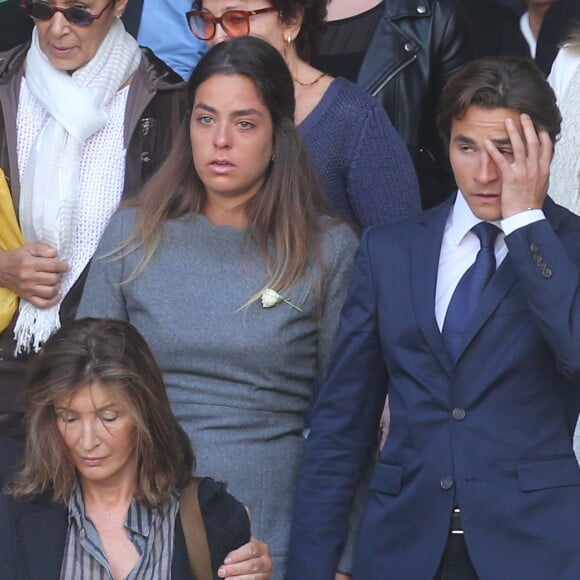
{"points": [[150, 530]]}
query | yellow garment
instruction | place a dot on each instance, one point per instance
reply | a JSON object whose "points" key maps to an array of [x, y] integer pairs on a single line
{"points": [[10, 239]]}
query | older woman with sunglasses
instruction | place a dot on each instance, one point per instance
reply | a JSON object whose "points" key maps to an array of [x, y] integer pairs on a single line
{"points": [[361, 163], [85, 118]]}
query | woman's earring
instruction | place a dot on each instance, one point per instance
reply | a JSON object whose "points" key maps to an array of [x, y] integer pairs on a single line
{"points": [[273, 158], [289, 39]]}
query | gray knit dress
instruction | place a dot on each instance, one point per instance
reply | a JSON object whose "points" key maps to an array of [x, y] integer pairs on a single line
{"points": [[239, 379]]}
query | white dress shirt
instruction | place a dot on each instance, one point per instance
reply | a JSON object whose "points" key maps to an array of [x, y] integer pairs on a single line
{"points": [[527, 33], [460, 246]]}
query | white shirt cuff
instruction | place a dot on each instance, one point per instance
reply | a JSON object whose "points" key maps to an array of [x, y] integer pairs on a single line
{"points": [[520, 220]]}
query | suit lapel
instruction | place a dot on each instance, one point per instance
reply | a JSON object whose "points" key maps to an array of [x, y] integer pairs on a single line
{"points": [[425, 263], [41, 529], [501, 283]]}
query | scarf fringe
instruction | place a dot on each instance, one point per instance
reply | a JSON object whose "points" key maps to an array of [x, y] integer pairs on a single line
{"points": [[34, 326]]}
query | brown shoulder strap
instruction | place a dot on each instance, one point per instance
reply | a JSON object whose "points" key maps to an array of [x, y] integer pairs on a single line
{"points": [[194, 531]]}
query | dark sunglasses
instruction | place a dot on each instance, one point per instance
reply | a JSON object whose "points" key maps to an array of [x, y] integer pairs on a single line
{"points": [[74, 14], [235, 23]]}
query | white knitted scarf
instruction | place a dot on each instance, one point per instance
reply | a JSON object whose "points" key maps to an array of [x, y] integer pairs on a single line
{"points": [[50, 185]]}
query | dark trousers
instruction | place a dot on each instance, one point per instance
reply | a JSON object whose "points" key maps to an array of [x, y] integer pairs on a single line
{"points": [[456, 563]]}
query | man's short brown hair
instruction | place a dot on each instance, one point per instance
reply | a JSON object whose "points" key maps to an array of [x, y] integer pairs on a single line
{"points": [[503, 82]]}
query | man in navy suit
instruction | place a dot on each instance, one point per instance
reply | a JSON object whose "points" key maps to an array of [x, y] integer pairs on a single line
{"points": [[477, 478]]}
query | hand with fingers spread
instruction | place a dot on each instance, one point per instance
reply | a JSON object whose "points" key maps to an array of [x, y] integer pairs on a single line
{"points": [[34, 272], [251, 561], [526, 170]]}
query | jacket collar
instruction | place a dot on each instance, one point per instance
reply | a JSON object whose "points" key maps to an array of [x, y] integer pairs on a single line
{"points": [[395, 9], [11, 61], [41, 528], [157, 76], [392, 47], [425, 264]]}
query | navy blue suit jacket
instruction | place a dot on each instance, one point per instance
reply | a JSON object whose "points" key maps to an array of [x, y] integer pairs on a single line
{"points": [[491, 433]]}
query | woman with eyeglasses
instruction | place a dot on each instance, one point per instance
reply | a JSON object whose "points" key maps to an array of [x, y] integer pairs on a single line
{"points": [[234, 271], [86, 116], [361, 163]]}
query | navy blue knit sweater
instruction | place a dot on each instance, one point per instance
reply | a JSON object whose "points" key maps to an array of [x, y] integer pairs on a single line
{"points": [[362, 164]]}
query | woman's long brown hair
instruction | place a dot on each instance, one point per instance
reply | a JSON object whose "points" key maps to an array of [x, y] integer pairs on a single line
{"points": [[284, 215]]}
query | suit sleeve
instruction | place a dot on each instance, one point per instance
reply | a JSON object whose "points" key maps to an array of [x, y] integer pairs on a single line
{"points": [[343, 431], [338, 271], [548, 267]]}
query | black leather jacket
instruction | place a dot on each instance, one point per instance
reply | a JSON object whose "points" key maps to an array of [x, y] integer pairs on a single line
{"points": [[416, 48]]}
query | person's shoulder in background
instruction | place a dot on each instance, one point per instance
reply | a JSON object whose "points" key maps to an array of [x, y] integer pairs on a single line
{"points": [[11, 453], [494, 29], [15, 25]]}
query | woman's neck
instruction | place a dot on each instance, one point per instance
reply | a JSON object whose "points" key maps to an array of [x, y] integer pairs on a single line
{"points": [[226, 212], [114, 495], [310, 84], [341, 9]]}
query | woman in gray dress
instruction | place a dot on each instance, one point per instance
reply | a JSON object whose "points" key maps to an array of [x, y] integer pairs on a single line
{"points": [[234, 271]]}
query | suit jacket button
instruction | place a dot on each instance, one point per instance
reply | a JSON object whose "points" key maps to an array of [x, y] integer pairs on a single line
{"points": [[534, 247], [446, 482], [458, 414], [546, 273]]}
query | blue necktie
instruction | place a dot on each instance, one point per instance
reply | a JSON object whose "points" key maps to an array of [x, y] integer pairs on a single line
{"points": [[467, 293]]}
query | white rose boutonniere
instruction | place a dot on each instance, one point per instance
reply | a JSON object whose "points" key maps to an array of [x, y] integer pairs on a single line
{"points": [[271, 298]]}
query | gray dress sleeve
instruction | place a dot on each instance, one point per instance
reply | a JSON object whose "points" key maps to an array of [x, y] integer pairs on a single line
{"points": [[339, 248], [103, 292]]}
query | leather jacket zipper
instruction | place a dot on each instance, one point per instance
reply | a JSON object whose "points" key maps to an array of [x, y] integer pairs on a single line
{"points": [[389, 77]]}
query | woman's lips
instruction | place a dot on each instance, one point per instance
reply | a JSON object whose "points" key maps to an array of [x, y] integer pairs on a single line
{"points": [[93, 461], [222, 166], [60, 51]]}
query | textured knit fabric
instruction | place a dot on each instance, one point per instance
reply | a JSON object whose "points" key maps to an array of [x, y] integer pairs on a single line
{"points": [[239, 381], [150, 530], [565, 169], [101, 173], [361, 162]]}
